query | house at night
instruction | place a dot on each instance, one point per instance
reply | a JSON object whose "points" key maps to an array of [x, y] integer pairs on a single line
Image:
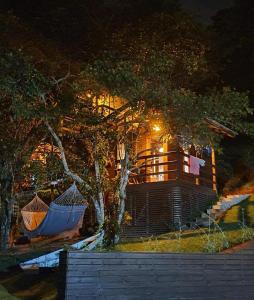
{"points": [[169, 185]]}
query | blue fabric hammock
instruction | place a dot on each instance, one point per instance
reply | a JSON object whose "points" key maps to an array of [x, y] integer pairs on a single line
{"points": [[64, 214]]}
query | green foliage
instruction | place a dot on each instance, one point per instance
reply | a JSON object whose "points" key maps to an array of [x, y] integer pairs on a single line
{"points": [[21, 108], [162, 60], [165, 66], [110, 225], [5, 295]]}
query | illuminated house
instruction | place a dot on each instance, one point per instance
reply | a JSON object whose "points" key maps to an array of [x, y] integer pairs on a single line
{"points": [[169, 185]]}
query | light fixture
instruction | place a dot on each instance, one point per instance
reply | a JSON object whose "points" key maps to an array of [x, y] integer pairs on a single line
{"points": [[161, 150], [89, 95], [156, 128]]}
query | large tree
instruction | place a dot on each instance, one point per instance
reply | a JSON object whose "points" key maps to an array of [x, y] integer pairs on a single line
{"points": [[21, 89], [28, 67], [84, 23], [162, 60]]}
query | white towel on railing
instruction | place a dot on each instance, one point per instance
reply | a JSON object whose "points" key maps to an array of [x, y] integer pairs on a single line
{"points": [[195, 164]]}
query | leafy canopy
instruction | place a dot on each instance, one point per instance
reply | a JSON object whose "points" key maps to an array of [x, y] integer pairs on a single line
{"points": [[162, 61]]}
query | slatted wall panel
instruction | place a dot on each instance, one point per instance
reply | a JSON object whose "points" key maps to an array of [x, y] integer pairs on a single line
{"points": [[186, 207], [136, 207], [195, 199], [156, 208], [156, 276], [159, 212], [177, 209]]}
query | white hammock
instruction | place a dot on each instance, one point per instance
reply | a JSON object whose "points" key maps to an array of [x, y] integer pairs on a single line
{"points": [[34, 213]]}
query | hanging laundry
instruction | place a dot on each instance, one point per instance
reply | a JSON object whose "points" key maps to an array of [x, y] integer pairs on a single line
{"points": [[195, 164]]}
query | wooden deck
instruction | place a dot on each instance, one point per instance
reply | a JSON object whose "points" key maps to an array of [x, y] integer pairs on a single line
{"points": [[156, 276]]}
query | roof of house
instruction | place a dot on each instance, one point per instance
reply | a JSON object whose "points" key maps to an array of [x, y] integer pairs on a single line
{"points": [[219, 128]]}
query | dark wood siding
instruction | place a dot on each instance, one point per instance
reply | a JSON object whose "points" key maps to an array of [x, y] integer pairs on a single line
{"points": [[158, 207], [156, 276]]}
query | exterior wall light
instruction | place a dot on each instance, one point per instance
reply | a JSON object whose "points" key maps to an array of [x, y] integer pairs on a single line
{"points": [[156, 128]]}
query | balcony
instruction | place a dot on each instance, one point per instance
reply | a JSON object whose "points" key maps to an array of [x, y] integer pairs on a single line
{"points": [[170, 166]]}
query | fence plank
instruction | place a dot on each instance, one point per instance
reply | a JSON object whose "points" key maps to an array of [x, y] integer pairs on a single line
{"points": [[156, 276]]}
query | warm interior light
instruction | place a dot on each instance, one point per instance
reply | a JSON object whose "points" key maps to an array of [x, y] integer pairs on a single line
{"points": [[156, 128], [161, 150]]}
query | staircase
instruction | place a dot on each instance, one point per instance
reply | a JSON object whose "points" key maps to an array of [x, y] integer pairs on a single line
{"points": [[220, 208]]}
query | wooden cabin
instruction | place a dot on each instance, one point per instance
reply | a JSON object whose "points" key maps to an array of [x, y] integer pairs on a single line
{"points": [[169, 186]]}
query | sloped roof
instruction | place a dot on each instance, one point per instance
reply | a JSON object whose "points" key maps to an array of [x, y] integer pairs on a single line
{"points": [[219, 128]]}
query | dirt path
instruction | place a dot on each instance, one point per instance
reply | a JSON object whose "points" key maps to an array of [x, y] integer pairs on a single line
{"points": [[245, 247]]}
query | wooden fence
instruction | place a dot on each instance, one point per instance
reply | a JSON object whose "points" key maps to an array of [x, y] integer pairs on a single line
{"points": [[156, 276]]}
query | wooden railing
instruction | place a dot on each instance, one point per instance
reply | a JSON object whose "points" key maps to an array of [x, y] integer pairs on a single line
{"points": [[155, 167], [169, 166]]}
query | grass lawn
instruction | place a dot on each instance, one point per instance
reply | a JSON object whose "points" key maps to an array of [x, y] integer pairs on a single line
{"points": [[28, 286], [13, 258], [236, 226], [4, 295], [24, 285], [16, 284]]}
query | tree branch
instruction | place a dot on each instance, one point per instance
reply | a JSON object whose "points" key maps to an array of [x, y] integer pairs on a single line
{"points": [[58, 81], [68, 172]]}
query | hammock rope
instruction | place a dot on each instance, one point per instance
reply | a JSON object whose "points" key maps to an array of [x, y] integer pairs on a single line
{"points": [[64, 213], [71, 196], [34, 213]]}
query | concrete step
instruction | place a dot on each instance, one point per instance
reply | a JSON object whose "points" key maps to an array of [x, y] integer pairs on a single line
{"points": [[205, 215], [216, 207], [218, 210], [226, 203]]}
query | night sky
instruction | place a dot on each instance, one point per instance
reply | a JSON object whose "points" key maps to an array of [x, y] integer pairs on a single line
{"points": [[205, 9]]}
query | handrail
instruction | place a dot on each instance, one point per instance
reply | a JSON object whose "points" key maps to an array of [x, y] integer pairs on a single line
{"points": [[151, 149], [155, 155], [157, 164], [155, 173], [171, 165]]}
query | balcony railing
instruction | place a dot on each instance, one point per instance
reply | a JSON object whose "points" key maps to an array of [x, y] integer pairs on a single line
{"points": [[168, 166]]}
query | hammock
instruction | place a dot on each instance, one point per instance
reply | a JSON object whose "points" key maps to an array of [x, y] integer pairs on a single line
{"points": [[34, 213], [63, 214]]}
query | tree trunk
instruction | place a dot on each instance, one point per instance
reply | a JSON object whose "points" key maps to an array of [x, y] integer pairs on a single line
{"points": [[123, 184], [100, 196], [122, 192], [6, 206]]}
